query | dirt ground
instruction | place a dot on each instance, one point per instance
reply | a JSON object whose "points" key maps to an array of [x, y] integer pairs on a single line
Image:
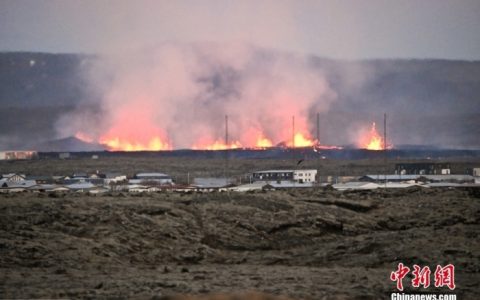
{"points": [[301, 244]]}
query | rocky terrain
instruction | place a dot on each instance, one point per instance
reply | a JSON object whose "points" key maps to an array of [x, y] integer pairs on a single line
{"points": [[299, 244]]}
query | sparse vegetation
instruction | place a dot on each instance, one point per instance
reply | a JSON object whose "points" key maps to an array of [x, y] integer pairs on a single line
{"points": [[304, 244]]}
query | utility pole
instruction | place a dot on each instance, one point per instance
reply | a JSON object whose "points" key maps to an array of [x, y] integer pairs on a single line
{"points": [[227, 148], [385, 146], [293, 140], [318, 128], [226, 130], [318, 148], [293, 131]]}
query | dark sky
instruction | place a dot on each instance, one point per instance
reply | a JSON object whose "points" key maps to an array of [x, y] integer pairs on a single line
{"points": [[338, 28]]}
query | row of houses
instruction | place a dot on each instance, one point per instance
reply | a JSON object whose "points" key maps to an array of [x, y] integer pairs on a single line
{"points": [[83, 182], [97, 182], [151, 182]]}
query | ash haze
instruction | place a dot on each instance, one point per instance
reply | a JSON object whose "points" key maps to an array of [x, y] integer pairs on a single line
{"points": [[165, 73], [446, 29], [176, 96]]}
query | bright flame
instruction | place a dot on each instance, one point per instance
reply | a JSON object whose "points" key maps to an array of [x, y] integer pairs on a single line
{"points": [[372, 140], [263, 142], [301, 141], [118, 144], [217, 145], [134, 129]]}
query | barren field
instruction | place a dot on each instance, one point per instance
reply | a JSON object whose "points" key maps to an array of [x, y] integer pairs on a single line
{"points": [[302, 244]]}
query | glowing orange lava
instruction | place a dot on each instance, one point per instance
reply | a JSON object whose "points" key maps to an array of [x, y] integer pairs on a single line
{"points": [[371, 140], [301, 140], [118, 144], [217, 145], [263, 142]]}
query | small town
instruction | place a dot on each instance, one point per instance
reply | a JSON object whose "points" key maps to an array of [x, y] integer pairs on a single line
{"points": [[424, 175]]}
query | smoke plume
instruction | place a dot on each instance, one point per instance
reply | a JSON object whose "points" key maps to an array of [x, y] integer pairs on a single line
{"points": [[175, 95]]}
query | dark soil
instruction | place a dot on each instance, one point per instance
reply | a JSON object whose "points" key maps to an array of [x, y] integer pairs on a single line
{"points": [[308, 244]]}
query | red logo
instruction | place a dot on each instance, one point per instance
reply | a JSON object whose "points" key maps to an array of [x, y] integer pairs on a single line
{"points": [[397, 276], [444, 276], [421, 276]]}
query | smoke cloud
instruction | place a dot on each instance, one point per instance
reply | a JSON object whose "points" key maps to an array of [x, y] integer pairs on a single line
{"points": [[175, 95]]}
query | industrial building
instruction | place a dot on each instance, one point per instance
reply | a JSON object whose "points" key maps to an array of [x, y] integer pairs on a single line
{"points": [[422, 169], [474, 172]]}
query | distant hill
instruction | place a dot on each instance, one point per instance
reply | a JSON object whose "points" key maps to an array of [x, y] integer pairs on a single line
{"points": [[67, 144], [428, 102]]}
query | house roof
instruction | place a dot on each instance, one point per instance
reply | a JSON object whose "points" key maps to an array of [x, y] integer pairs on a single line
{"points": [[17, 184], [393, 177], [354, 185], [80, 186], [47, 187], [113, 175], [449, 177], [11, 175], [210, 182], [286, 171], [39, 177], [153, 174], [258, 185]]}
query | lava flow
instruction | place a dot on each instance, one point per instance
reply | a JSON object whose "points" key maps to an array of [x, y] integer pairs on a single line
{"points": [[118, 144], [217, 145]]}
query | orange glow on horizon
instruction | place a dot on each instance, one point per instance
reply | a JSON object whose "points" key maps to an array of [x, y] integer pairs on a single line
{"points": [[118, 144], [217, 145]]}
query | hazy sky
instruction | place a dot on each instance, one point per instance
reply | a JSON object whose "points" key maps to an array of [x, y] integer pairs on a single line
{"points": [[338, 29]]}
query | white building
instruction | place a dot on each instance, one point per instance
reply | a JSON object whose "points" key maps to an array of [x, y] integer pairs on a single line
{"points": [[114, 178], [13, 177], [476, 172], [300, 176], [158, 178]]}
